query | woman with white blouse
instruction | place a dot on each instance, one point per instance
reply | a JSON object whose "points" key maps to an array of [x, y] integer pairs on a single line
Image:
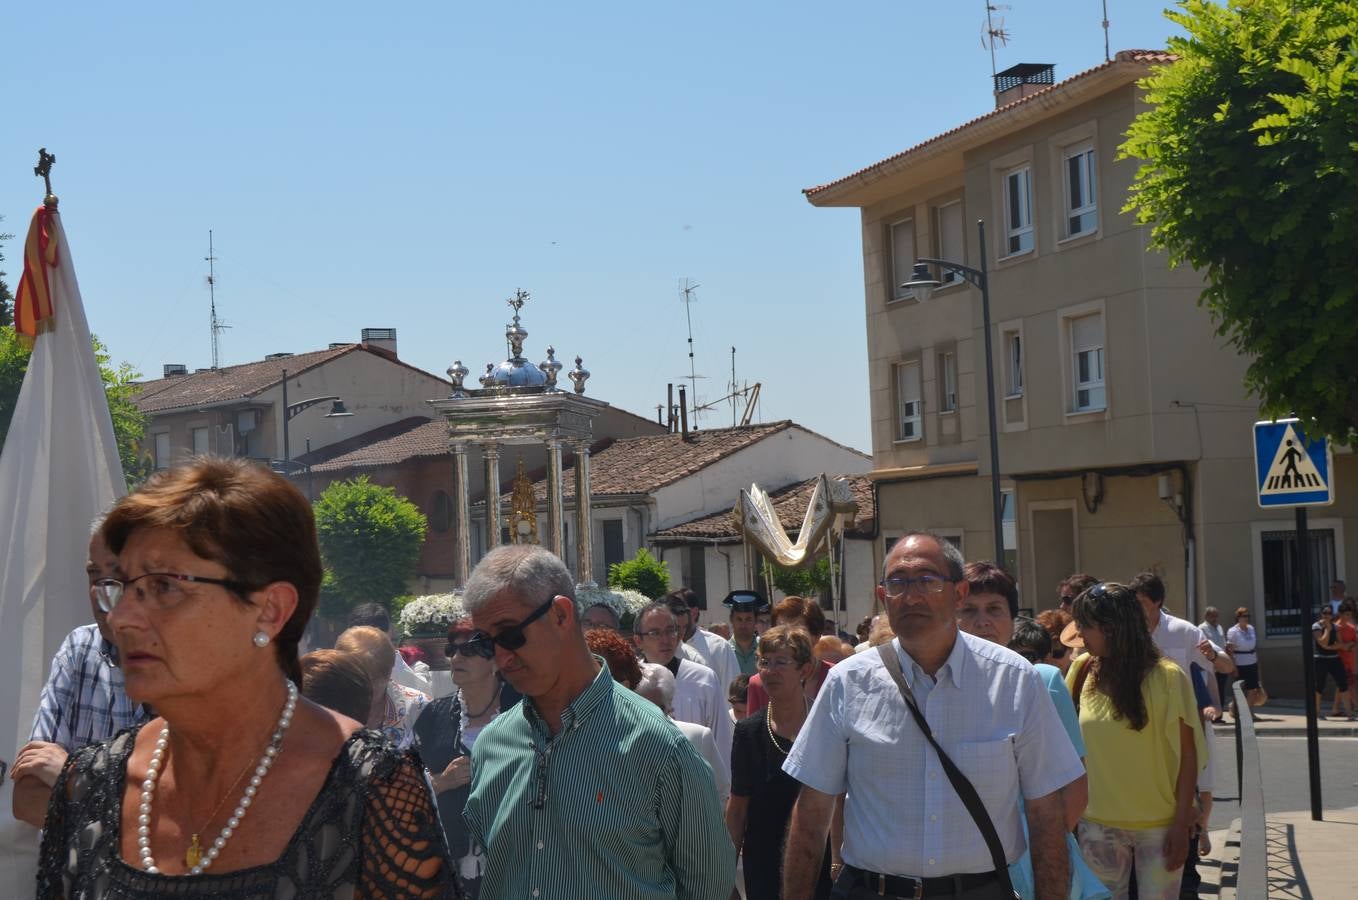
{"points": [[1243, 644]]}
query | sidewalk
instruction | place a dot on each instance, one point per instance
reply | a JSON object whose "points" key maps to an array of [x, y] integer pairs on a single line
{"points": [[1288, 719], [1305, 859]]}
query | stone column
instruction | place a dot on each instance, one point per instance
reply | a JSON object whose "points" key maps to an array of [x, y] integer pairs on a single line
{"points": [[584, 532], [491, 454], [556, 524], [462, 519]]}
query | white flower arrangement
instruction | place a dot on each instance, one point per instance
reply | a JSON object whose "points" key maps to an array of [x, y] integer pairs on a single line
{"points": [[431, 613], [621, 602]]}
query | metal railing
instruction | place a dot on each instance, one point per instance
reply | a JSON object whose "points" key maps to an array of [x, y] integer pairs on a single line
{"points": [[1252, 868]]}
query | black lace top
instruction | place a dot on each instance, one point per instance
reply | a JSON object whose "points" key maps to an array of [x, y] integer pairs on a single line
{"points": [[368, 833]]}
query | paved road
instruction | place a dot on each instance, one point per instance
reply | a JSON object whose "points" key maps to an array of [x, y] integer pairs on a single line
{"points": [[1286, 782]]}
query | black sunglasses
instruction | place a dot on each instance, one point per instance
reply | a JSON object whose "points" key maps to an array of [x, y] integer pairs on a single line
{"points": [[512, 638], [477, 645]]}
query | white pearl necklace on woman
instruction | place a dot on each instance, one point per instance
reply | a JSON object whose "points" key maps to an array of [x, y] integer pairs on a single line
{"points": [[148, 789]]}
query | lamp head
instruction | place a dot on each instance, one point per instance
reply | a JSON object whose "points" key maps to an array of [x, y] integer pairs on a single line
{"points": [[337, 410], [922, 282]]}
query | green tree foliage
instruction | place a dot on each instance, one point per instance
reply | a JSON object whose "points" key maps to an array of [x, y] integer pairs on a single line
{"points": [[370, 538], [805, 581], [643, 573], [1249, 173]]}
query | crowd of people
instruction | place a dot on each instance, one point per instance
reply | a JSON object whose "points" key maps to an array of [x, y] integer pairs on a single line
{"points": [[185, 747]]}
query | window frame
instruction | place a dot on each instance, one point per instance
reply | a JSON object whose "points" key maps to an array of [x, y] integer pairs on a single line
{"points": [[1101, 383], [157, 460], [206, 432], [1083, 150], [1013, 362], [895, 270], [947, 372], [1026, 229], [949, 278], [899, 401]]}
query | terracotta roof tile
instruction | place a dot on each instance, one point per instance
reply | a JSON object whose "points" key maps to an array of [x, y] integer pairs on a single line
{"points": [[1133, 56], [379, 448], [790, 503], [229, 383]]}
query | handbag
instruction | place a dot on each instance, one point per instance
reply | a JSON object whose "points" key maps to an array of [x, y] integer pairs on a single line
{"points": [[966, 792], [1261, 697]]}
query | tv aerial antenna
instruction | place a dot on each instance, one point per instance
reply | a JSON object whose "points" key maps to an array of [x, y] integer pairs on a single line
{"points": [[687, 287], [1106, 54], [217, 325], [994, 34]]}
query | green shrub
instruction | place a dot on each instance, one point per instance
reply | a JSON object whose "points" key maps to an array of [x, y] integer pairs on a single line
{"points": [[643, 573], [370, 538]]}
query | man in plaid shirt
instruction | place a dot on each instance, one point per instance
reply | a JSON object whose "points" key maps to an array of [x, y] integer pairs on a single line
{"points": [[82, 702]]}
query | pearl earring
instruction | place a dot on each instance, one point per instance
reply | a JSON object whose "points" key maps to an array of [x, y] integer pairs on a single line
{"points": [[261, 639]]}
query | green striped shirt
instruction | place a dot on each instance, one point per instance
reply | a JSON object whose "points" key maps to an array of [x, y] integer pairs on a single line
{"points": [[616, 805]]}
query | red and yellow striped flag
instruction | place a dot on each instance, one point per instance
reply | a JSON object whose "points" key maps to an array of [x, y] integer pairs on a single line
{"points": [[33, 302]]}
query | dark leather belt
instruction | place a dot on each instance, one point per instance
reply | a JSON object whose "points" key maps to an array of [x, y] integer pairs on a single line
{"points": [[918, 888]]}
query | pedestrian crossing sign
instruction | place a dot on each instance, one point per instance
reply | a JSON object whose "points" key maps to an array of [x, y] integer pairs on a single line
{"points": [[1291, 469]]}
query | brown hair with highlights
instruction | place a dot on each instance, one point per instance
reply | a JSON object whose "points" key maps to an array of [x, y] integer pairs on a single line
{"points": [[241, 515]]}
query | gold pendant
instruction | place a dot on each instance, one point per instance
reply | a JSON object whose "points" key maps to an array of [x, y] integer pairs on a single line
{"points": [[194, 855]]}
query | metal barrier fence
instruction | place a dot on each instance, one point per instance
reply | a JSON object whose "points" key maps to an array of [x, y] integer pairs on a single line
{"points": [[1252, 868]]}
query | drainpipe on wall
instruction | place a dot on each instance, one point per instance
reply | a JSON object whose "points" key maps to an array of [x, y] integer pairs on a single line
{"points": [[726, 556]]}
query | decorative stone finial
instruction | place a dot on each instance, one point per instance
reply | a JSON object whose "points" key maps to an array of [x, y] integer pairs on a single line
{"points": [[458, 373], [486, 378], [579, 375], [550, 367]]}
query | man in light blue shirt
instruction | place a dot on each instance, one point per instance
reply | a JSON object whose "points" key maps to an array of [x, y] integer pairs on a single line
{"points": [[905, 828]]}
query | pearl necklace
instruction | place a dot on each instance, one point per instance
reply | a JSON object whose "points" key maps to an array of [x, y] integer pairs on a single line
{"points": [[773, 738], [197, 859]]}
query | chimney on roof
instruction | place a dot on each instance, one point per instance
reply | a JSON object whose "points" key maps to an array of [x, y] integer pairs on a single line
{"points": [[271, 356], [172, 369], [683, 415], [381, 339], [1017, 82]]}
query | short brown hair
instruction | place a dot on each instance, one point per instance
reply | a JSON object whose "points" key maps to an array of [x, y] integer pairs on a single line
{"points": [[1241, 611], [792, 638], [621, 658], [338, 681], [1054, 621], [1073, 586], [984, 577], [807, 610], [241, 515]]}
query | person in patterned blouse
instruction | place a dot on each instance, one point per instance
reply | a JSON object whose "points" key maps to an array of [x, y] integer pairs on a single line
{"points": [[395, 706]]}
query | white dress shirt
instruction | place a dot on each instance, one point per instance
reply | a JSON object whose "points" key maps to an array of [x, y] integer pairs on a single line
{"points": [[1178, 640], [988, 709], [698, 699], [717, 655]]}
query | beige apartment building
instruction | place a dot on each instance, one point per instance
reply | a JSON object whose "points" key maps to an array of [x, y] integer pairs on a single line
{"points": [[1124, 431]]}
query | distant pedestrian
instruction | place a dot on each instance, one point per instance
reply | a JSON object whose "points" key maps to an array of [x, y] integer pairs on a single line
{"points": [[588, 791], [1347, 627], [1055, 622], [1325, 635], [804, 613], [1145, 745], [1211, 629], [745, 607], [1073, 586], [907, 832], [715, 650], [1243, 643]]}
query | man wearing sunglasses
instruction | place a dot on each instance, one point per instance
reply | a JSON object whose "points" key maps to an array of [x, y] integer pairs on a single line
{"points": [[585, 790]]}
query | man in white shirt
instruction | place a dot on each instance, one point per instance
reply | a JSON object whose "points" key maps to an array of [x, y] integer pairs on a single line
{"points": [[1210, 626], [1337, 589], [906, 831], [697, 696], [715, 650], [1179, 639]]}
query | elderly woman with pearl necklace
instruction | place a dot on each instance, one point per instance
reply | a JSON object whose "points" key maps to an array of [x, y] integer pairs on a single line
{"points": [[239, 788]]}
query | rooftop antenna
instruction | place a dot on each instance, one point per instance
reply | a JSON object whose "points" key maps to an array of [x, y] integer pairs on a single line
{"points": [[216, 324], [994, 34], [1106, 55], [733, 387], [686, 288]]}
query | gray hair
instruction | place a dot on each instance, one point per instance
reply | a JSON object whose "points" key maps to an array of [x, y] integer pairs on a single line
{"points": [[1211, 609], [657, 685], [529, 571], [951, 555]]}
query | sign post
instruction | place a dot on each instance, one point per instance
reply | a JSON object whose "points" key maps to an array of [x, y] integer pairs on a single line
{"points": [[1293, 470]]}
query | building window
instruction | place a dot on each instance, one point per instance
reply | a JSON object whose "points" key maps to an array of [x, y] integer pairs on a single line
{"points": [[163, 452], [1009, 524], [1087, 363], [902, 258], [950, 240], [1081, 184], [201, 441], [695, 568], [614, 552], [947, 382], [440, 512], [1018, 211], [1013, 364], [909, 421], [1278, 553]]}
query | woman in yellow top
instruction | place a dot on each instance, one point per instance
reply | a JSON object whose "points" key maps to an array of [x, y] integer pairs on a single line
{"points": [[1144, 747]]}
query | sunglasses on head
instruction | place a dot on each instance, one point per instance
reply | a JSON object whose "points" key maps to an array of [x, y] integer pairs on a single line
{"points": [[512, 638], [477, 645]]}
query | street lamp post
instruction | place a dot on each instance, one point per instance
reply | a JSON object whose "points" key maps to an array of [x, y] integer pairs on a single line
{"points": [[290, 411], [923, 283]]}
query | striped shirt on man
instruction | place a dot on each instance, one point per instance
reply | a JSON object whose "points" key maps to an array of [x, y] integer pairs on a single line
{"points": [[616, 804]]}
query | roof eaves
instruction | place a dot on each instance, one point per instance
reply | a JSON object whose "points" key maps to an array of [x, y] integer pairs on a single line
{"points": [[986, 126]]}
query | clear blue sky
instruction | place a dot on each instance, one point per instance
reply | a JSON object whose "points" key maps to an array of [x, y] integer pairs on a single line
{"points": [[410, 167]]}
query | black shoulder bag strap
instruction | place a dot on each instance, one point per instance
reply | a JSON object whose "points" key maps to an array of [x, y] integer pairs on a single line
{"points": [[970, 799]]}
